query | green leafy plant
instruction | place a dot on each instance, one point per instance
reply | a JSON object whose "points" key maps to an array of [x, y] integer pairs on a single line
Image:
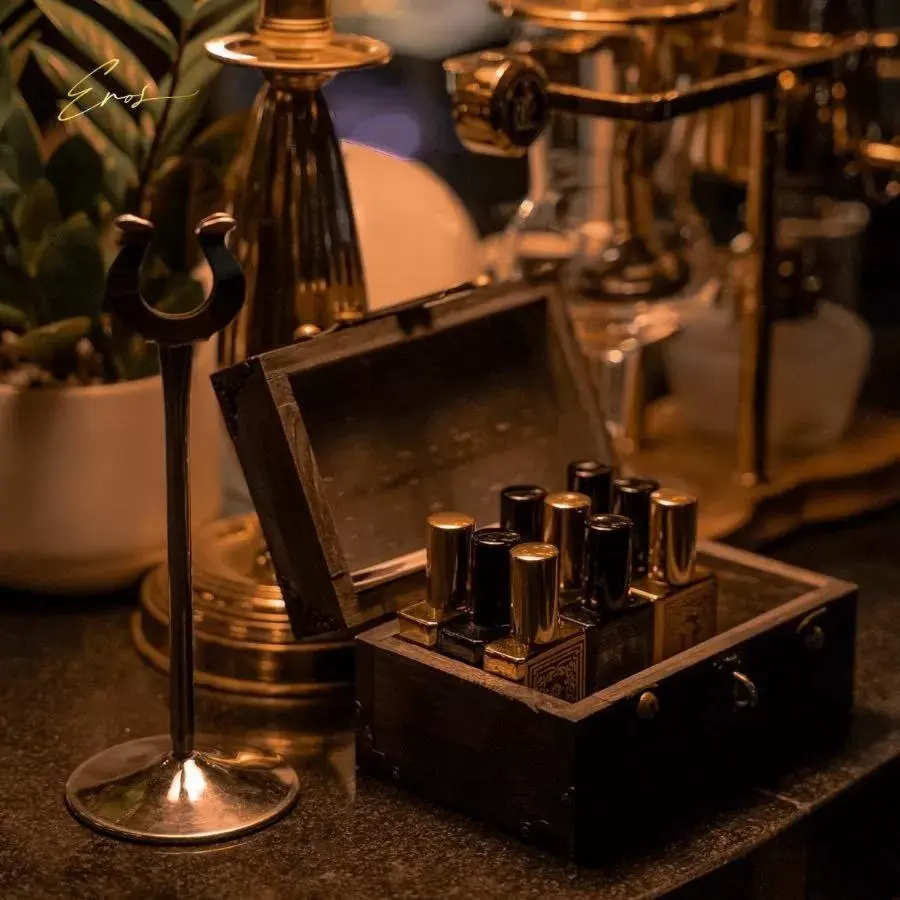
{"points": [[104, 146]]}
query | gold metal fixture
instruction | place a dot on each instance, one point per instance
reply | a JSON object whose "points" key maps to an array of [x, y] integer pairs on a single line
{"points": [[747, 71], [243, 639], [297, 238]]}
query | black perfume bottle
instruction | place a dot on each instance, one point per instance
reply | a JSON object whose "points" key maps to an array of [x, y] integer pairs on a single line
{"points": [[631, 498], [522, 511], [593, 478], [618, 625], [488, 618]]}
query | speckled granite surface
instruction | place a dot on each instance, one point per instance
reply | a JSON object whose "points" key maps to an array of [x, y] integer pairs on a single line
{"points": [[71, 684]]}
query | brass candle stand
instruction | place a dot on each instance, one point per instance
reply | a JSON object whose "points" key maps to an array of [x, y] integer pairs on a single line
{"points": [[297, 242], [759, 74], [297, 237]]}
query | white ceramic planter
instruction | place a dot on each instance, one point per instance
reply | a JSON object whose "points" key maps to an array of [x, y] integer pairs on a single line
{"points": [[82, 480]]}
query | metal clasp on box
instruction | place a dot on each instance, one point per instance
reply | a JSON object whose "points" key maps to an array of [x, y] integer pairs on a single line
{"points": [[743, 693]]}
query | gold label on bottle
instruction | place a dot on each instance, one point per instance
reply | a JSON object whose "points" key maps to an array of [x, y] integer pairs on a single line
{"points": [[559, 672], [685, 618]]}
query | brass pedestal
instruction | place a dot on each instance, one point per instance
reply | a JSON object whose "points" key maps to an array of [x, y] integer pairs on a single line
{"points": [[243, 642]]}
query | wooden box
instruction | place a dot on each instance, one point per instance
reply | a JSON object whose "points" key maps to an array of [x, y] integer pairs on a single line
{"points": [[350, 440], [587, 779]]}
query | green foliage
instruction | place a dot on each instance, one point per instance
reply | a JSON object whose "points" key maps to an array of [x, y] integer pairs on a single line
{"points": [[76, 194], [112, 148], [43, 345]]}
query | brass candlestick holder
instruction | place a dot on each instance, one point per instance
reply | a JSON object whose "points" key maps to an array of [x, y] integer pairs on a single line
{"points": [[296, 236], [297, 241]]}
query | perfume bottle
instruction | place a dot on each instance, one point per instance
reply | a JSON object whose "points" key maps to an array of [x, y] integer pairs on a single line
{"points": [[618, 625], [565, 521], [685, 596], [587, 476], [631, 498], [448, 550], [541, 652], [522, 511], [488, 618]]}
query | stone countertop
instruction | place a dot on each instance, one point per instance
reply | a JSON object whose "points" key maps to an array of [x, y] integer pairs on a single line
{"points": [[71, 685]]}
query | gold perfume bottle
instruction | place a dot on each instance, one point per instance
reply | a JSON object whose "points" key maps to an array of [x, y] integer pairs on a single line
{"points": [[685, 596], [618, 625], [542, 652], [448, 564], [565, 521]]}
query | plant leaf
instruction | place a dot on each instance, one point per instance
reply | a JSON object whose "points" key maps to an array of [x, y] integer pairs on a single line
{"points": [[10, 192], [20, 28], [100, 46], [111, 118], [133, 357], [20, 55], [197, 72], [178, 129], [241, 15], [77, 194], [8, 7], [70, 271], [184, 9], [145, 23], [205, 10], [119, 170], [12, 318], [7, 82], [37, 215], [176, 292], [219, 144], [20, 132], [42, 345], [18, 290]]}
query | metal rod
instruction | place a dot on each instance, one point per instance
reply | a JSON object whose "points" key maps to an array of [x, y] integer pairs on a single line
{"points": [[175, 363], [663, 106], [756, 314]]}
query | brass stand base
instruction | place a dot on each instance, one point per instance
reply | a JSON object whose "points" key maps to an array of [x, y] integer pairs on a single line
{"points": [[243, 645], [140, 792], [859, 474]]}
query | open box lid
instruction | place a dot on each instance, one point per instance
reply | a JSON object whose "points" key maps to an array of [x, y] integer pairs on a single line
{"points": [[350, 440]]}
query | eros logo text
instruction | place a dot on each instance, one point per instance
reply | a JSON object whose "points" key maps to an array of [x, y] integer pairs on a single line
{"points": [[72, 110]]}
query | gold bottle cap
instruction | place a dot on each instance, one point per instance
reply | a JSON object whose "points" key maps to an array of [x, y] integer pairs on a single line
{"points": [[565, 526], [673, 536], [534, 593], [449, 559]]}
